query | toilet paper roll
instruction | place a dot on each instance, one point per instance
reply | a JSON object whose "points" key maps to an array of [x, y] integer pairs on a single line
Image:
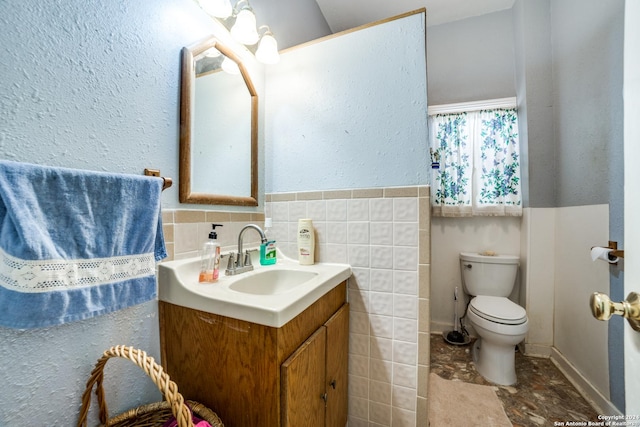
{"points": [[598, 252]]}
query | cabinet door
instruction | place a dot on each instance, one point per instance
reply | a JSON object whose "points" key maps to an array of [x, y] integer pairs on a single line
{"points": [[337, 363], [303, 377]]}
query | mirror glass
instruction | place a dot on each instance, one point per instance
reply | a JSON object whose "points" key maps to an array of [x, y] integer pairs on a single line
{"points": [[218, 128]]}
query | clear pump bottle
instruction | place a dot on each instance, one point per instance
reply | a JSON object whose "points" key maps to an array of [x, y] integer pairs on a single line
{"points": [[210, 258]]}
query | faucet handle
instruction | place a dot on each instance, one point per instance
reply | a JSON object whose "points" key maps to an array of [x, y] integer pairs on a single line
{"points": [[231, 262], [247, 258]]}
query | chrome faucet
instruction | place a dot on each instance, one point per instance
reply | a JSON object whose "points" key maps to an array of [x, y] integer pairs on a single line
{"points": [[242, 261]]}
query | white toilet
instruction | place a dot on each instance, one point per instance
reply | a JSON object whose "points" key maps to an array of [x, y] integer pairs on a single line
{"points": [[500, 323]]}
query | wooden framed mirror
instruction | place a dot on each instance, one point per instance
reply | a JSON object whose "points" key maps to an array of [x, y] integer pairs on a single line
{"points": [[218, 128]]}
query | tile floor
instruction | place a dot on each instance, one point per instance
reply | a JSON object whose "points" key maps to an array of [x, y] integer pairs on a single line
{"points": [[542, 396]]}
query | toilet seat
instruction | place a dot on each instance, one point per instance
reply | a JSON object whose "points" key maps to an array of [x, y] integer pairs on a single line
{"points": [[498, 310]]}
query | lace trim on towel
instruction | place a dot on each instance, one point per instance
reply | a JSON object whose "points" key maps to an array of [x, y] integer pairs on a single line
{"points": [[60, 275]]}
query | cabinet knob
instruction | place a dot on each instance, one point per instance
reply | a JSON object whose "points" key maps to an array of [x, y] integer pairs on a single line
{"points": [[333, 384], [324, 397]]}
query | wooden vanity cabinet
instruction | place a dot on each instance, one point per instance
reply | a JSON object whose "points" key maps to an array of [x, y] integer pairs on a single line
{"points": [[253, 375], [314, 377]]}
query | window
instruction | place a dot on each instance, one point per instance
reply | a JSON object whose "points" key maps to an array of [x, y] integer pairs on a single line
{"points": [[475, 158]]}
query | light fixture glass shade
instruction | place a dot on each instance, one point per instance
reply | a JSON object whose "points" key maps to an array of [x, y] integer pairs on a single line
{"points": [[267, 52], [244, 30], [230, 66], [218, 8]]}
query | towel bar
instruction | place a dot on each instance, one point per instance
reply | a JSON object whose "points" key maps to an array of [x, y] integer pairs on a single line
{"points": [[168, 182]]}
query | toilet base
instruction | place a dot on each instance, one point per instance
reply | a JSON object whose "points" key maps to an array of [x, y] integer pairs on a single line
{"points": [[496, 363]]}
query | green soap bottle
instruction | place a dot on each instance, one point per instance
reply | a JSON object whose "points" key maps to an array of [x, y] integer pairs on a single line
{"points": [[268, 249]]}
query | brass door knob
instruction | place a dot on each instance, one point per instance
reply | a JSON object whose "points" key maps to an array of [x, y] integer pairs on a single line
{"points": [[603, 308]]}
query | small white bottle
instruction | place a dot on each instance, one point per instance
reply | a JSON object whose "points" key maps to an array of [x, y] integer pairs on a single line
{"points": [[306, 242], [210, 258]]}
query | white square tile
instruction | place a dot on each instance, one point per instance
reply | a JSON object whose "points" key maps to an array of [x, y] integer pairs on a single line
{"points": [[317, 210], [405, 306], [279, 211], [353, 421], [292, 233], [404, 398], [405, 210], [381, 348], [405, 330], [405, 234], [405, 375], [337, 210], [380, 392], [186, 238], [382, 257], [380, 414], [360, 278], [382, 280], [359, 322], [405, 282], [358, 233], [359, 344], [381, 209], [297, 210], [381, 303], [358, 411], [358, 210], [359, 365], [337, 232], [381, 326], [358, 387], [334, 253], [403, 417], [381, 370], [320, 228], [381, 233], [405, 258], [358, 299], [358, 255], [405, 352]]}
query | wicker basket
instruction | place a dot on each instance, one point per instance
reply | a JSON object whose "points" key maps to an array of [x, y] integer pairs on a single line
{"points": [[152, 415]]}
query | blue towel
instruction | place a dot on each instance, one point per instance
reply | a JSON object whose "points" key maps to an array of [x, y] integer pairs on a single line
{"points": [[75, 244]]}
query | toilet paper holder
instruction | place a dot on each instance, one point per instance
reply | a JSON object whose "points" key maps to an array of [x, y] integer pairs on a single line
{"points": [[615, 252]]}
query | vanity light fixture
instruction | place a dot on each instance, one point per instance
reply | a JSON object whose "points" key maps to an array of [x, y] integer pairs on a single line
{"points": [[244, 29], [240, 20], [218, 8], [267, 52]]}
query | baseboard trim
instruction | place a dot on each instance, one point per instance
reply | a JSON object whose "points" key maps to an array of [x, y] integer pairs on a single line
{"points": [[601, 404], [537, 350]]}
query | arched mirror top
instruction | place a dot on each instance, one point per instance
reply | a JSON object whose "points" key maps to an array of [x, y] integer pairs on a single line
{"points": [[218, 127]]}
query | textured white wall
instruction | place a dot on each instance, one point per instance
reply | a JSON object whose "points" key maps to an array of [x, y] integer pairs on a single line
{"points": [[94, 85], [471, 59], [349, 111]]}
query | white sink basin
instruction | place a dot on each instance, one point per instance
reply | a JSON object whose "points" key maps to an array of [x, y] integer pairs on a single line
{"points": [[271, 281], [270, 295]]}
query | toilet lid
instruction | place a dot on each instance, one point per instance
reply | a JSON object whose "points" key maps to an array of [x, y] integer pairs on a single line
{"points": [[498, 309]]}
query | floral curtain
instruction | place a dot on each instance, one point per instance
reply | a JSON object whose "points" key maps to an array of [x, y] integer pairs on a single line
{"points": [[476, 163]]}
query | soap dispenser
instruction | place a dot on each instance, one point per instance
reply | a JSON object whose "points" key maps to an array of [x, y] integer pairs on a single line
{"points": [[210, 258], [268, 249]]}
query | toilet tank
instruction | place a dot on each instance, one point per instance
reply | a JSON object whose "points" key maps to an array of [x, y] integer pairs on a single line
{"points": [[488, 275]]}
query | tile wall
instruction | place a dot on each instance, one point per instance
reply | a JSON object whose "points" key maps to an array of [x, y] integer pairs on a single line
{"points": [[384, 234], [186, 230]]}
